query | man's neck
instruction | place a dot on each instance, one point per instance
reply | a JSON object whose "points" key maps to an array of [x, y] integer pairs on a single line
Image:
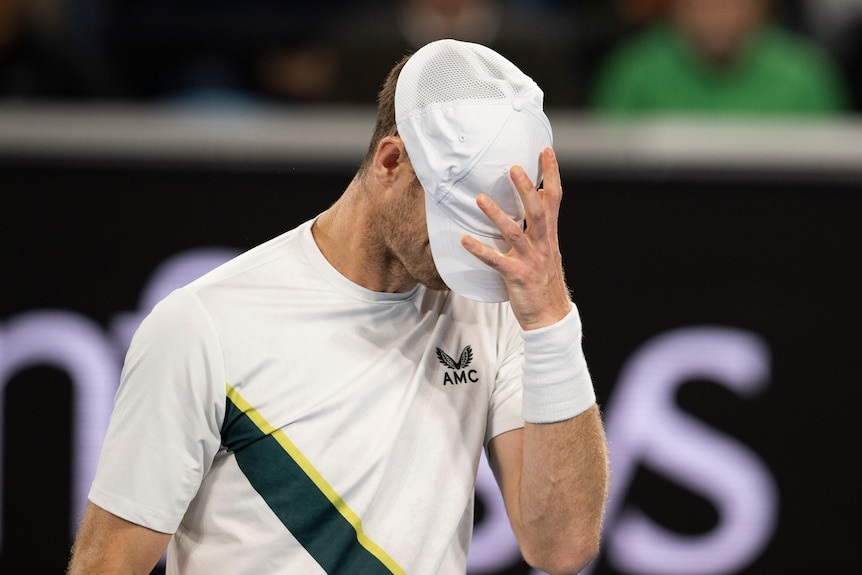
{"points": [[350, 243]]}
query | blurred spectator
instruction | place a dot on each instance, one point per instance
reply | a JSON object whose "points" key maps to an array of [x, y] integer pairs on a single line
{"points": [[719, 56], [41, 57], [642, 11], [849, 52], [828, 20], [218, 50], [837, 24], [369, 38], [305, 72]]}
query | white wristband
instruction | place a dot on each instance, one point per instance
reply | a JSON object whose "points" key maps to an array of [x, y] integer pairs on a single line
{"points": [[557, 383]]}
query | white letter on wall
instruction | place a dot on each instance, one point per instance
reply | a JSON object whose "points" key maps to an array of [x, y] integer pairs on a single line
{"points": [[77, 346], [646, 427]]}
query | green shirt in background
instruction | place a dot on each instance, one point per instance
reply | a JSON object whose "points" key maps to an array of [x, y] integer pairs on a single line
{"points": [[777, 73]]}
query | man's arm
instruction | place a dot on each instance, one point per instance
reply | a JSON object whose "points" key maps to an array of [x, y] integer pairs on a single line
{"points": [[109, 545], [553, 473], [554, 478]]}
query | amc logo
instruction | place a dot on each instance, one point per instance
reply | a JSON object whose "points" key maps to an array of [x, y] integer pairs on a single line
{"points": [[459, 373]]}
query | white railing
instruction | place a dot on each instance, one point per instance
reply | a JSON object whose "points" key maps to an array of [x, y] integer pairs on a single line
{"points": [[269, 136]]}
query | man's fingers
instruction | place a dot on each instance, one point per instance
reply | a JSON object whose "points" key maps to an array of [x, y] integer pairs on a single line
{"points": [[511, 231], [541, 208], [533, 205], [552, 189], [551, 181], [487, 255]]}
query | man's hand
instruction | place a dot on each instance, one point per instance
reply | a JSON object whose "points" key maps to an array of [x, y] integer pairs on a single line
{"points": [[532, 269]]}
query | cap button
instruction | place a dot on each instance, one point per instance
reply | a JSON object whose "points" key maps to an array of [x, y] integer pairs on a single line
{"points": [[517, 104]]}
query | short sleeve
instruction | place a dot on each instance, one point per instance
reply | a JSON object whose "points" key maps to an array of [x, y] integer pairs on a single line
{"points": [[504, 409], [166, 422]]}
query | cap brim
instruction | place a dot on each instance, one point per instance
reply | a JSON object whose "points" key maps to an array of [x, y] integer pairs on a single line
{"points": [[463, 272]]}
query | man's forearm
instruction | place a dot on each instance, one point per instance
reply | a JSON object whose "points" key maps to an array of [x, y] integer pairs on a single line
{"points": [[107, 545], [562, 492], [563, 466]]}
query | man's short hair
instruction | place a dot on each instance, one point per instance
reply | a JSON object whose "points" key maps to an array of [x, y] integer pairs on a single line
{"points": [[385, 125]]}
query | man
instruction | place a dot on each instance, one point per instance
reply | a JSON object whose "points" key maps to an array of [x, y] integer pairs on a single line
{"points": [[320, 403], [719, 57]]}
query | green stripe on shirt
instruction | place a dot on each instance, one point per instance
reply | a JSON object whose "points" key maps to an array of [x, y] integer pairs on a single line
{"points": [[299, 495]]}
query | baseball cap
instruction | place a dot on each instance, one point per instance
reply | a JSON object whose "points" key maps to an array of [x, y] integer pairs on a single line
{"points": [[466, 115]]}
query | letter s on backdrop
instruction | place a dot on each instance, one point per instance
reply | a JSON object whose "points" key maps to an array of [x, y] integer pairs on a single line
{"points": [[646, 427]]}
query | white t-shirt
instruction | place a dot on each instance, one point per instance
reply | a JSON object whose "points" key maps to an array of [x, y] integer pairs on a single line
{"points": [[278, 418]]}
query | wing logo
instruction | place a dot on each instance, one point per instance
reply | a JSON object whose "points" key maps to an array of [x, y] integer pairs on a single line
{"points": [[459, 372]]}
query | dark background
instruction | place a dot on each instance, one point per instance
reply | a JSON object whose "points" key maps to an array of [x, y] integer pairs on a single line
{"points": [[644, 253]]}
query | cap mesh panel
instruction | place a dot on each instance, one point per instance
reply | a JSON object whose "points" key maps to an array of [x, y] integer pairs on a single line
{"points": [[452, 74]]}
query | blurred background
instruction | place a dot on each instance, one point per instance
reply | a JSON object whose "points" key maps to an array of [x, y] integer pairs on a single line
{"points": [[711, 153]]}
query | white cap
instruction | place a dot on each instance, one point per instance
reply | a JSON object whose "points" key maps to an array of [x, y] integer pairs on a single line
{"points": [[466, 115]]}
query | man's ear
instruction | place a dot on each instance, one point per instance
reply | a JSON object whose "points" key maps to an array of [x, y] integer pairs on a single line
{"points": [[391, 162]]}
